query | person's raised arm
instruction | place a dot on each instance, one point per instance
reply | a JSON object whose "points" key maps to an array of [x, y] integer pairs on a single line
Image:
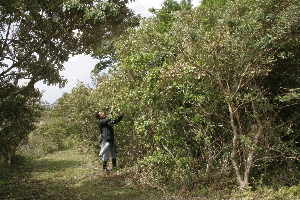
{"points": [[118, 119]]}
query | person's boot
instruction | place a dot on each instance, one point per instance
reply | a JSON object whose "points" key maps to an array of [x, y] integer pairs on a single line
{"points": [[114, 163], [105, 167]]}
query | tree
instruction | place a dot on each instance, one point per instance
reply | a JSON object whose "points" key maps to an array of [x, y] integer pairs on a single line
{"points": [[228, 53], [37, 37], [166, 14], [67, 124], [18, 118], [236, 48]]}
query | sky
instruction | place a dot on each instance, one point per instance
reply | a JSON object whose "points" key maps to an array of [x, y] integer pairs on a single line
{"points": [[79, 67]]}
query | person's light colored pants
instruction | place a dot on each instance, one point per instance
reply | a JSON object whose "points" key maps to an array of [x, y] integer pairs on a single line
{"points": [[110, 151]]}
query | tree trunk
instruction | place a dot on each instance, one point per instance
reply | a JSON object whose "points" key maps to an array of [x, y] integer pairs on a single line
{"points": [[243, 176], [10, 154], [234, 158]]}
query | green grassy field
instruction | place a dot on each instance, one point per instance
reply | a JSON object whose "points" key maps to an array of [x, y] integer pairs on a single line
{"points": [[69, 175]]}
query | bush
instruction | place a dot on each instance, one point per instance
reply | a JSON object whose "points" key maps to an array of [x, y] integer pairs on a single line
{"points": [[37, 146], [164, 171]]}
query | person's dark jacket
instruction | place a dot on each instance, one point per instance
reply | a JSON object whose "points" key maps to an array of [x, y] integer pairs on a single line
{"points": [[106, 128]]}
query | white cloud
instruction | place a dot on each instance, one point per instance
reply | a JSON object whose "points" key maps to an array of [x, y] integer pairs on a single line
{"points": [[141, 6], [78, 68]]}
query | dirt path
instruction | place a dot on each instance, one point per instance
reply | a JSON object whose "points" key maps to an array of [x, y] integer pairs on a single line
{"points": [[70, 175]]}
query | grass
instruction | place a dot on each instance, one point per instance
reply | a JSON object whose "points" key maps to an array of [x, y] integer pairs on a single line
{"points": [[70, 175], [73, 175]]}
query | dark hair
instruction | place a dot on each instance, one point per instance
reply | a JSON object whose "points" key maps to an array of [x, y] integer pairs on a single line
{"points": [[97, 114]]}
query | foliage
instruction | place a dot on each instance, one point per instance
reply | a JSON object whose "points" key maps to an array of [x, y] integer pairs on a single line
{"points": [[36, 38], [166, 14], [235, 53], [269, 193], [18, 117], [202, 97]]}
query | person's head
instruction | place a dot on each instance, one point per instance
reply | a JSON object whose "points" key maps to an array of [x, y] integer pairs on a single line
{"points": [[100, 115]]}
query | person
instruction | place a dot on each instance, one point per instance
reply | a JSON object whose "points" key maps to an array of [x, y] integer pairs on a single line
{"points": [[107, 138]]}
